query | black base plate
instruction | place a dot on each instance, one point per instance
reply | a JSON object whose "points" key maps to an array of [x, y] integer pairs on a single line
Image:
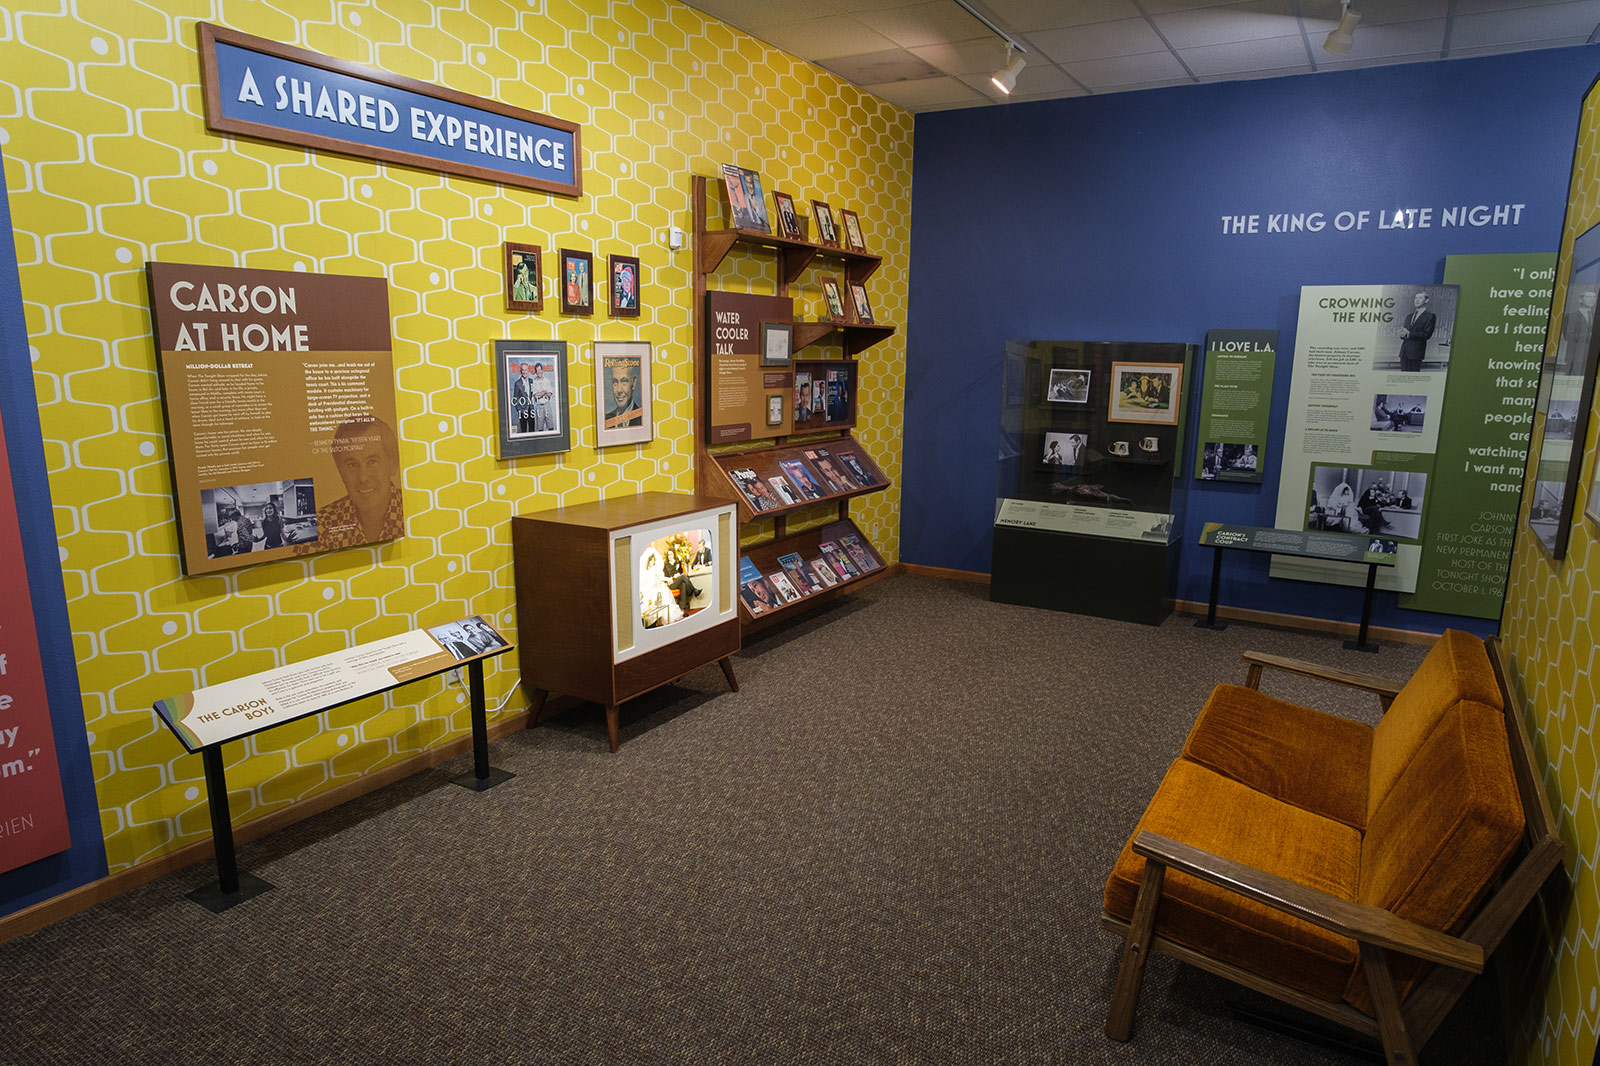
{"points": [[1370, 647], [1201, 623], [477, 784], [211, 898]]}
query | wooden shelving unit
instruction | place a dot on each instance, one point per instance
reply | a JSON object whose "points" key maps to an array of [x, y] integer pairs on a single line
{"points": [[712, 469]]}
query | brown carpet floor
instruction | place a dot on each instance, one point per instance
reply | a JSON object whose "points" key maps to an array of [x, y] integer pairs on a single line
{"points": [[889, 847]]}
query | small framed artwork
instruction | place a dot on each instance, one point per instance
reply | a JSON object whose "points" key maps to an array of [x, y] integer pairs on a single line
{"points": [[577, 282], [775, 409], [1068, 386], [622, 386], [524, 291], [852, 231], [1065, 450], [1566, 393], [624, 286], [777, 339], [823, 214], [858, 296], [1145, 392], [531, 397], [788, 221], [747, 205], [834, 297]]}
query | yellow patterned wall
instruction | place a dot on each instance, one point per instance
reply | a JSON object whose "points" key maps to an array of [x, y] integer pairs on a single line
{"points": [[1549, 629], [110, 165]]}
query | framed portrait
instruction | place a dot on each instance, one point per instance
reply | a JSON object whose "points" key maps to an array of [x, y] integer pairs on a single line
{"points": [[577, 282], [1066, 450], [1566, 393], [788, 220], [747, 205], [622, 413], [531, 397], [524, 290], [833, 296], [822, 215], [777, 339], [1068, 386], [624, 286], [852, 231], [1146, 392], [775, 409], [863, 306]]}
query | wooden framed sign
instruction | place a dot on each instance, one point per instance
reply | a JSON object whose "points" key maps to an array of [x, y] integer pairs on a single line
{"points": [[260, 88]]}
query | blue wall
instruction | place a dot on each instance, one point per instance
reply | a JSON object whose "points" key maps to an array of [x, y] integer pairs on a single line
{"points": [[1099, 218], [85, 861]]}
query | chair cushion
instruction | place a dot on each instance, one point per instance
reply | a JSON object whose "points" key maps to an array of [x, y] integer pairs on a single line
{"points": [[1457, 668], [1312, 760], [1204, 809], [1440, 838]]}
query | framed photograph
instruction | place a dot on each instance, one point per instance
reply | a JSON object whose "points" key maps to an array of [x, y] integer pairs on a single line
{"points": [[1066, 450], [1146, 392], [852, 231], [622, 391], [624, 286], [863, 306], [1370, 500], [524, 290], [823, 216], [777, 339], [577, 282], [531, 397], [833, 295], [788, 221], [1566, 393], [747, 205], [1068, 386], [775, 409]]}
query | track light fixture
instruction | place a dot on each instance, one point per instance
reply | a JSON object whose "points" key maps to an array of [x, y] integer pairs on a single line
{"points": [[1005, 79], [1340, 40]]}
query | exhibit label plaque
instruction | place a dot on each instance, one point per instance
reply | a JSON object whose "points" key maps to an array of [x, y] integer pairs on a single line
{"points": [[1236, 404], [281, 93], [743, 395], [279, 396], [1093, 521], [1335, 547]]}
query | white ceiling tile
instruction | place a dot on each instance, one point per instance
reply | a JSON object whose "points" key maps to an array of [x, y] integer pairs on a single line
{"points": [[1477, 7], [965, 57], [1025, 16], [1162, 83], [1328, 62], [1518, 46], [1424, 38], [1098, 40], [1035, 79], [1545, 22], [1061, 94], [750, 12], [1241, 56], [826, 38], [1251, 75], [926, 23], [1127, 70], [1381, 12], [914, 94], [1257, 20], [1158, 7]]}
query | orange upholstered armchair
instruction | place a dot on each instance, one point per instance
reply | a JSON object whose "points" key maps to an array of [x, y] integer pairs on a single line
{"points": [[1360, 873]]}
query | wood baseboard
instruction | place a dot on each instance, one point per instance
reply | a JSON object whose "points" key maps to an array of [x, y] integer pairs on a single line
{"points": [[946, 574], [80, 899], [1347, 630]]}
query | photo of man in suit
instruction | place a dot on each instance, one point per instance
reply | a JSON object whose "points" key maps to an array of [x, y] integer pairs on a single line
{"points": [[1577, 326], [1414, 333], [622, 402]]}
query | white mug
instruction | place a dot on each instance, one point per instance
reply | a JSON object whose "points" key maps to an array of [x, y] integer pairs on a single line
{"points": [[1150, 444], [1119, 447]]}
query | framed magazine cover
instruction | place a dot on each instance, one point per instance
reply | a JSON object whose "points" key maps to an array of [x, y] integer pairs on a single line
{"points": [[827, 234], [624, 286], [524, 289], [1146, 392], [577, 282], [531, 397], [622, 413]]}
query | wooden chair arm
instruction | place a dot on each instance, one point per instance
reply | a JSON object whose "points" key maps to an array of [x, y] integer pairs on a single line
{"points": [[1383, 686], [1361, 922]]}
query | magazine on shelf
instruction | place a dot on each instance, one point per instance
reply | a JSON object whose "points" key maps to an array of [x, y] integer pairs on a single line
{"points": [[823, 462], [838, 402], [802, 395], [809, 489], [758, 596], [781, 489], [824, 573], [786, 590], [795, 567], [754, 490], [841, 562], [852, 463], [858, 551], [748, 571]]}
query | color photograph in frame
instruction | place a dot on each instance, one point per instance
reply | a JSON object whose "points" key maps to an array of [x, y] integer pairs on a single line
{"points": [[531, 397], [1146, 392], [747, 204], [622, 393], [577, 282], [852, 231], [524, 290], [788, 220], [826, 233], [1566, 392], [833, 296], [624, 286], [863, 306]]}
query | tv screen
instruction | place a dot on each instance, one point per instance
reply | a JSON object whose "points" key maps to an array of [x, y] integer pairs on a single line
{"points": [[675, 577]]}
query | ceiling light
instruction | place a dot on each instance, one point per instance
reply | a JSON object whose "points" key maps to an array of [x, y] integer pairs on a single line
{"points": [[1006, 80], [1340, 40]]}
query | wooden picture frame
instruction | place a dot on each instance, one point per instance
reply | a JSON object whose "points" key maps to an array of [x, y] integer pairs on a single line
{"points": [[833, 299], [625, 278], [852, 231], [1149, 393], [777, 345], [531, 398], [861, 305], [827, 234], [747, 204], [522, 277], [576, 279], [623, 390], [1566, 392], [787, 218], [775, 409]]}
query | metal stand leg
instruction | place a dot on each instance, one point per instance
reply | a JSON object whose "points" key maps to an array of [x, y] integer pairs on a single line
{"points": [[232, 887], [1216, 589], [483, 776], [1360, 643]]}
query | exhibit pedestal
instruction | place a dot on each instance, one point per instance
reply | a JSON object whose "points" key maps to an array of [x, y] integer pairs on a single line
{"points": [[1128, 580]]}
